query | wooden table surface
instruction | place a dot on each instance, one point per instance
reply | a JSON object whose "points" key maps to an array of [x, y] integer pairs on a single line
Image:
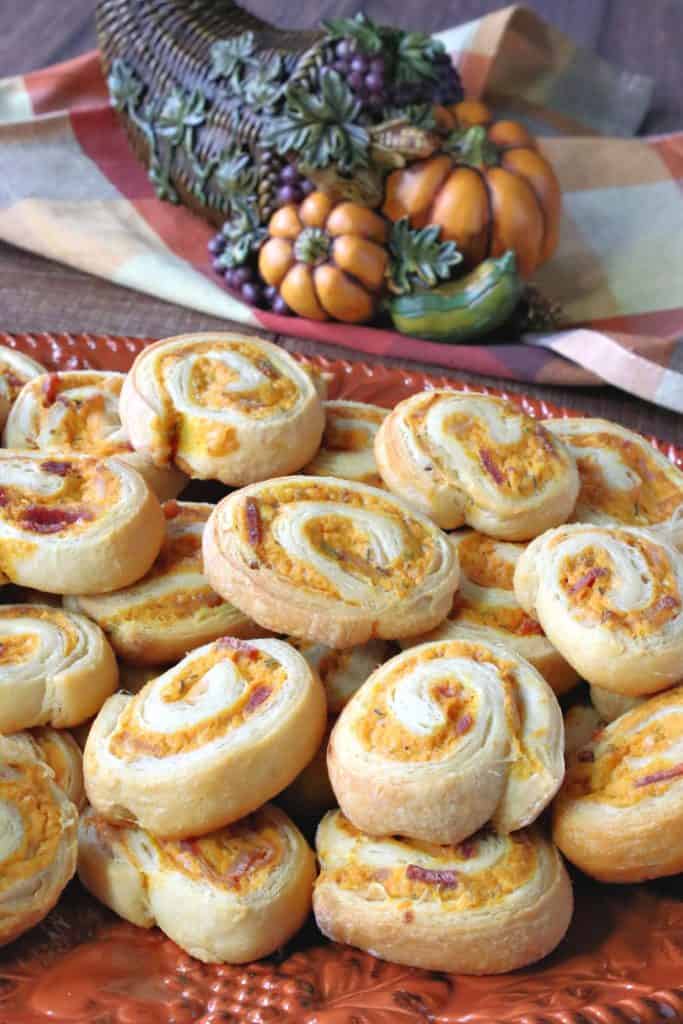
{"points": [[37, 294]]}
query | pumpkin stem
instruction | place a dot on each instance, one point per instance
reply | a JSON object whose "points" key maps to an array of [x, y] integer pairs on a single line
{"points": [[312, 246], [473, 147]]}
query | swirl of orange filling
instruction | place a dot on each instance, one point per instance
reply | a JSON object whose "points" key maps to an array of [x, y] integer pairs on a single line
{"points": [[611, 600], [77, 411], [245, 889], [619, 814], [222, 406], [347, 448], [451, 734], [173, 608], [475, 459], [440, 906], [16, 369], [624, 480], [203, 720], [37, 841], [362, 560]]}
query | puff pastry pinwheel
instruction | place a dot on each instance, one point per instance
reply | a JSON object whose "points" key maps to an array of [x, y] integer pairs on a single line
{"points": [[244, 890], [77, 524], [348, 445], [331, 561], [222, 406], [341, 673], [235, 720], [610, 705], [55, 748], [610, 600], [77, 411], [172, 609], [492, 904], [445, 737], [580, 722], [474, 459], [485, 604], [56, 667], [619, 814], [38, 839], [624, 480], [15, 370]]}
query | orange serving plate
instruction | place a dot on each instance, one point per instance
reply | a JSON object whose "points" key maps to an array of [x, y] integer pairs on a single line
{"points": [[621, 963]]}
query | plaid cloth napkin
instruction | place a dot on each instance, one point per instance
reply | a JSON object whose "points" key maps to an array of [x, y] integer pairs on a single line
{"points": [[71, 189]]}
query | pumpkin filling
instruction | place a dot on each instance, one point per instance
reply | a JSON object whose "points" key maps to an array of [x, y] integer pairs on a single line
{"points": [[18, 648], [588, 577], [343, 432], [519, 469], [240, 857], [262, 677], [483, 563], [337, 539], [84, 422], [448, 880], [88, 489], [27, 790], [654, 496]]}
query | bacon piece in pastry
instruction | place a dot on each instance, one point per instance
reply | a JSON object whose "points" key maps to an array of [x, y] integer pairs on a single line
{"points": [[15, 370]]}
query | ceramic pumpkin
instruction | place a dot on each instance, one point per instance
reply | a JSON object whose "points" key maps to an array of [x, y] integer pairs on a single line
{"points": [[491, 190], [327, 259]]}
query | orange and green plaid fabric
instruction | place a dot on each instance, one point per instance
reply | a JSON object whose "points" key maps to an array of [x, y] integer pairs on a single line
{"points": [[71, 189]]}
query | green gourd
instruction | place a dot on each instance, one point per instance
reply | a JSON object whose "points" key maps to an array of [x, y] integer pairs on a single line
{"points": [[464, 309]]}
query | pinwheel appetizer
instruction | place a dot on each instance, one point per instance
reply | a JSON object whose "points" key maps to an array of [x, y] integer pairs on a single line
{"points": [[77, 524], [222, 406], [580, 722], [236, 721], [492, 904], [77, 412], [56, 667], [38, 839], [172, 609], [444, 738], [485, 604], [609, 599], [619, 814], [469, 458], [329, 561], [341, 673], [55, 748], [244, 890], [348, 445], [15, 370], [624, 480]]}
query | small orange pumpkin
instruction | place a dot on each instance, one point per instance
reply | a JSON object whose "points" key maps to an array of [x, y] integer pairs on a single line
{"points": [[493, 192], [326, 258]]}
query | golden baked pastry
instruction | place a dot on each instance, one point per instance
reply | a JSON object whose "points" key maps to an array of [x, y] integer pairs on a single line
{"points": [[15, 370], [609, 599], [55, 748], [56, 667], [580, 722], [619, 814], [77, 412], [485, 604], [470, 458], [611, 705], [228, 407], [331, 561], [77, 524], [445, 737], [172, 609], [341, 673], [231, 896], [348, 445], [624, 480], [492, 904], [235, 721], [38, 839]]}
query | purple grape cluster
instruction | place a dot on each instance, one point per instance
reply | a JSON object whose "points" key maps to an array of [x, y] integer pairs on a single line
{"points": [[292, 187], [364, 74], [446, 89], [244, 282]]}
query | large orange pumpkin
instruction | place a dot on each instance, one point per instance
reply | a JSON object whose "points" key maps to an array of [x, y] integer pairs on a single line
{"points": [[494, 191], [326, 258]]}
